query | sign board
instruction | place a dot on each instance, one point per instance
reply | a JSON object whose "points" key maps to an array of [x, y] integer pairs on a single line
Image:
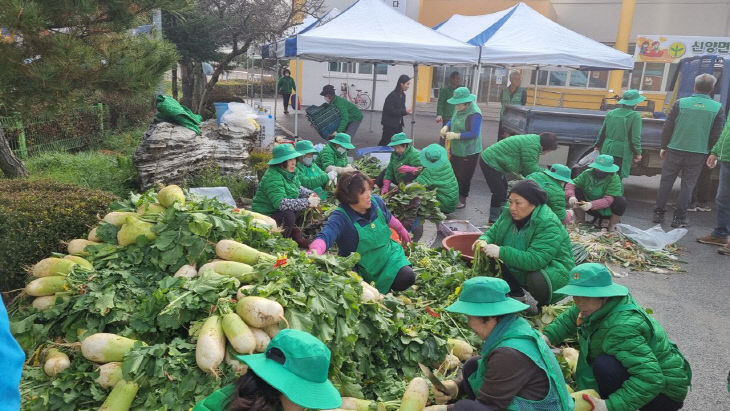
{"points": [[671, 49], [399, 5]]}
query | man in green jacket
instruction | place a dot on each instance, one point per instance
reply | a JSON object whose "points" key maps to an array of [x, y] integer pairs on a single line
{"points": [[437, 174], [404, 162], [287, 87], [552, 181], [513, 94], [625, 354], [691, 129], [309, 174], [333, 156], [350, 115], [721, 152], [444, 110], [620, 134]]}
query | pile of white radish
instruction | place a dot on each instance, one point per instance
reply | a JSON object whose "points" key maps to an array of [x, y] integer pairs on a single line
{"points": [[370, 293], [49, 281]]}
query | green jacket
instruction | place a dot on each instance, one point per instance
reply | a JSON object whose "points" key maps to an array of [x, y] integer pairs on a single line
{"points": [[541, 245], [554, 190], [516, 154], [311, 177], [593, 188], [517, 99], [348, 112], [329, 156], [623, 330], [443, 180], [722, 148], [276, 185], [286, 85], [408, 158], [443, 108], [614, 138], [216, 401]]}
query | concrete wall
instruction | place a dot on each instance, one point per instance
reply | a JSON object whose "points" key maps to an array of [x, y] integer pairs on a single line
{"points": [[411, 6]]}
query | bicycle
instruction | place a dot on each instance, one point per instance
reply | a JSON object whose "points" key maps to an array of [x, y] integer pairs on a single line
{"points": [[361, 99]]}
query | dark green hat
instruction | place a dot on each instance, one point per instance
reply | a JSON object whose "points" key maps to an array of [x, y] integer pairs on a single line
{"points": [[485, 297], [296, 364], [461, 95], [592, 280], [631, 98], [604, 162], [398, 139], [556, 171], [283, 152], [434, 155], [344, 140], [305, 147]]}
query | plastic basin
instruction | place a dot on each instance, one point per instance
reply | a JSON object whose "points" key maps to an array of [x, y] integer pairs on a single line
{"points": [[462, 242], [220, 108]]}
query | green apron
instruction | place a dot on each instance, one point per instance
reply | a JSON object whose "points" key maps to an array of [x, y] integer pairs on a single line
{"points": [[463, 148], [521, 337], [513, 99], [618, 141], [380, 256]]}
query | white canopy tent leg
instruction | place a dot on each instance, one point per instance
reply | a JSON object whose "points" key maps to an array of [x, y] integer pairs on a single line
{"points": [[534, 96], [477, 76], [372, 101], [261, 84], [296, 106], [413, 113], [276, 87]]}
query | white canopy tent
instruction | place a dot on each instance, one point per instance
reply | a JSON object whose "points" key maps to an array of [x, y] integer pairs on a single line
{"points": [[372, 31]]}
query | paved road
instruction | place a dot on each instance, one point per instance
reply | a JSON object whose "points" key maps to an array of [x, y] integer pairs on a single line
{"points": [[692, 306]]}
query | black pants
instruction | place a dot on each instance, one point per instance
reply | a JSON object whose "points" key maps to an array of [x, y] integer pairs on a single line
{"points": [[286, 98], [704, 186], [464, 171], [497, 183], [610, 375], [535, 283], [470, 404], [388, 132], [409, 177], [405, 278], [618, 207], [287, 220]]}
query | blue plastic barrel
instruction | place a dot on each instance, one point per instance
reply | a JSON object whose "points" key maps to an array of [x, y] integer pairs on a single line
{"points": [[220, 108]]}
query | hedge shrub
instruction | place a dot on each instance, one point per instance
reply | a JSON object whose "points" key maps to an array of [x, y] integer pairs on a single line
{"points": [[35, 216]]}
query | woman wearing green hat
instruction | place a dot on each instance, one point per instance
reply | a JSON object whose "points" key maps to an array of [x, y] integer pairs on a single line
{"points": [[598, 192], [625, 354], [620, 135], [333, 156], [290, 376], [438, 175], [553, 181], [463, 134], [281, 195], [310, 175], [404, 162], [516, 369]]}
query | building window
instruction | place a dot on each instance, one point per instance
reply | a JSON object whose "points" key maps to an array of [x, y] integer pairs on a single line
{"points": [[341, 67], [367, 68], [359, 68], [597, 79], [571, 78], [579, 79], [558, 78]]}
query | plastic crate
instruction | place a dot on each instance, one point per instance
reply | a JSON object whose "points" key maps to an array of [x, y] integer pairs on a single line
{"points": [[451, 227], [325, 119]]}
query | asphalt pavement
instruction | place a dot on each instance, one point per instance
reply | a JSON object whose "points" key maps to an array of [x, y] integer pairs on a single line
{"points": [[691, 306]]}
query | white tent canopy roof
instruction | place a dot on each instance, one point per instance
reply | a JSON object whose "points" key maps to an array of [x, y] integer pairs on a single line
{"points": [[372, 31], [521, 35]]}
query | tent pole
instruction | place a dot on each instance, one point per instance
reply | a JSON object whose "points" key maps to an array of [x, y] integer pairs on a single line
{"points": [[261, 83], [413, 112], [372, 101], [478, 75], [534, 96], [276, 87], [296, 107]]}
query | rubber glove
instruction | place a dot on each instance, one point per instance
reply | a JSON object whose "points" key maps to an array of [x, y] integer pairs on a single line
{"points": [[481, 243], [407, 169], [492, 250], [586, 206], [572, 201], [452, 136], [396, 225], [386, 187], [569, 216], [332, 175], [597, 403], [439, 119], [317, 247], [329, 168], [314, 201], [444, 397], [444, 130]]}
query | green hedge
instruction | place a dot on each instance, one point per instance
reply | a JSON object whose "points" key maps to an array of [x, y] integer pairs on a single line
{"points": [[35, 216]]}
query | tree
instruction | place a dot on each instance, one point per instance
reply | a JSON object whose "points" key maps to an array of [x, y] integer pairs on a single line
{"points": [[9, 164]]}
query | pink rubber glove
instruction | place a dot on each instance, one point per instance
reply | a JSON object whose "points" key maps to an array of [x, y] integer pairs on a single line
{"points": [[396, 225], [318, 247], [407, 169], [386, 186]]}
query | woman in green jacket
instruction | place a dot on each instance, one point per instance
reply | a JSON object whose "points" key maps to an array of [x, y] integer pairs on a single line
{"points": [[333, 156], [532, 244], [438, 175], [516, 154], [620, 135], [310, 175], [287, 87], [291, 375], [599, 192], [516, 369], [553, 181], [281, 195], [625, 354], [404, 162]]}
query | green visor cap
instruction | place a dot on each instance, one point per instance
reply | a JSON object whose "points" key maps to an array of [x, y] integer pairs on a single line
{"points": [[631, 98], [305, 147], [461, 95], [398, 139], [556, 171], [296, 364], [604, 162], [592, 280], [485, 297], [344, 140], [283, 152], [434, 155]]}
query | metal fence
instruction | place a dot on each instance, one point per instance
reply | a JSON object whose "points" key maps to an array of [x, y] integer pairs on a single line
{"points": [[67, 131]]}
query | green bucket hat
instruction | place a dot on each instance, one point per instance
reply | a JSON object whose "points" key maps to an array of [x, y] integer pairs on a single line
{"points": [[434, 155], [631, 98], [485, 297], [305, 147], [556, 171], [592, 280], [283, 152], [296, 364], [604, 162], [344, 140], [461, 95], [398, 139]]}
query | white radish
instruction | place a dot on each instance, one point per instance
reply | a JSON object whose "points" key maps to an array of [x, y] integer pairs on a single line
{"points": [[186, 271], [106, 347], [416, 395], [117, 218], [46, 286], [242, 291], [56, 362], [211, 346], [109, 374], [209, 266], [92, 236], [44, 303], [272, 330], [349, 403], [259, 312], [262, 339], [121, 397], [238, 334], [52, 266], [238, 367], [450, 362], [234, 251], [460, 348], [78, 246], [80, 261]]}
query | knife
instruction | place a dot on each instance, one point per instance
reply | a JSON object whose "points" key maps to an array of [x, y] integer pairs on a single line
{"points": [[435, 381]]}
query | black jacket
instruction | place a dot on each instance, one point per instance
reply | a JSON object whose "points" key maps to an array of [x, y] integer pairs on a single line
{"points": [[394, 109]]}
